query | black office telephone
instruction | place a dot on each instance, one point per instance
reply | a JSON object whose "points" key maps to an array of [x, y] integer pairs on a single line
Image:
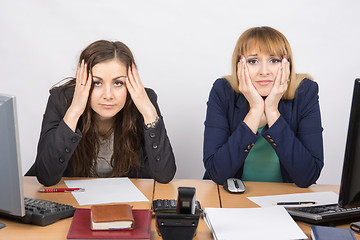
{"points": [[178, 219], [169, 206]]}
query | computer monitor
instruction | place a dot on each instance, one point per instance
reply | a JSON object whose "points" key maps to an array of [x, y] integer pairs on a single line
{"points": [[349, 195], [11, 189]]}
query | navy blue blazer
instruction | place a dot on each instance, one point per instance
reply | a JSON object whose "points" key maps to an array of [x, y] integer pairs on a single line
{"points": [[296, 136]]}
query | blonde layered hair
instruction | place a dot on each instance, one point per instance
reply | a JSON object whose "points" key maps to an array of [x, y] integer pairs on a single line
{"points": [[270, 41]]}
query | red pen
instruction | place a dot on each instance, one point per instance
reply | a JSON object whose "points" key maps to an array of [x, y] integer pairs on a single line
{"points": [[49, 190]]}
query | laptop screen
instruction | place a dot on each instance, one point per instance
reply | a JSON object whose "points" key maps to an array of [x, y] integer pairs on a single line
{"points": [[12, 199], [350, 182]]}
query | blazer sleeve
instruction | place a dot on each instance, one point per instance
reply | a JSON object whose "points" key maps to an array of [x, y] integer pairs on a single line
{"points": [[225, 150], [157, 147], [299, 144], [57, 141]]}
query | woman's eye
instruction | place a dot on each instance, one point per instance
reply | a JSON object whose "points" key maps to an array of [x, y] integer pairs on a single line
{"points": [[118, 83], [252, 61], [275, 60], [97, 83]]}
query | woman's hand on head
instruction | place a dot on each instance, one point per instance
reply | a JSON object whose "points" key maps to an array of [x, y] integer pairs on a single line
{"points": [[80, 98], [139, 95], [277, 91]]}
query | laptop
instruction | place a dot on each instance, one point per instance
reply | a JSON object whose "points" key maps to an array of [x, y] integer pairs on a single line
{"points": [[348, 206], [13, 204]]}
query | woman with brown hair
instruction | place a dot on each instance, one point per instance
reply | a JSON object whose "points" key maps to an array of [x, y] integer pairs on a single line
{"points": [[263, 121], [103, 123]]}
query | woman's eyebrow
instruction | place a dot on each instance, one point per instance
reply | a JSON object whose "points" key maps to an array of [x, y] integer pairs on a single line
{"points": [[115, 78], [122, 76]]}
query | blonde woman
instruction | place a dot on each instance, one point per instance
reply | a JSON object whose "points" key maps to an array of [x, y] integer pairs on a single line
{"points": [[263, 121]]}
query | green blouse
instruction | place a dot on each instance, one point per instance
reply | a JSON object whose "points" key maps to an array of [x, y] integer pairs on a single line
{"points": [[262, 163]]}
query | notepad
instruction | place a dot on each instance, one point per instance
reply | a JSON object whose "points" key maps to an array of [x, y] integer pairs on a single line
{"points": [[252, 223]]}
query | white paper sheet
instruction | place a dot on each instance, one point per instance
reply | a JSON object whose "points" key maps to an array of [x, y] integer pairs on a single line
{"points": [[106, 190], [252, 223], [321, 198]]}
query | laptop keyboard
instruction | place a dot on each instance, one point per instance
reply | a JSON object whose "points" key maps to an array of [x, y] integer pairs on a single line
{"points": [[325, 213], [43, 212]]}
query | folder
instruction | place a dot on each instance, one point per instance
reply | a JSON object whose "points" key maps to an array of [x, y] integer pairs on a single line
{"points": [[80, 227], [331, 233]]}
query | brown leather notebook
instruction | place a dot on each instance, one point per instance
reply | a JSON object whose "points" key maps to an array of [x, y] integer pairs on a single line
{"points": [[111, 216]]}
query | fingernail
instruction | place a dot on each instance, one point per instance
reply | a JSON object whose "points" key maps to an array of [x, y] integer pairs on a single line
{"points": [[285, 58], [243, 59]]}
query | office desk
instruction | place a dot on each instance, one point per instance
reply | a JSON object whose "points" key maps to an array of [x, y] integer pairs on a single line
{"points": [[58, 231], [207, 192], [253, 189]]}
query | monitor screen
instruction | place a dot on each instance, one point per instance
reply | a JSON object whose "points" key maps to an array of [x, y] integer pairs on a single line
{"points": [[12, 199], [350, 182]]}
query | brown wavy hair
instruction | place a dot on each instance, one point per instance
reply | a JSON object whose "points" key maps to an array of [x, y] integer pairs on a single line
{"points": [[267, 40], [128, 132]]}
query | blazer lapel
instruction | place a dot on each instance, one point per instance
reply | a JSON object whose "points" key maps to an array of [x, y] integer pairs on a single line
{"points": [[240, 110]]}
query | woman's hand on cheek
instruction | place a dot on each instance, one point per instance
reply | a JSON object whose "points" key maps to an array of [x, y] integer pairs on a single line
{"points": [[256, 112], [139, 95], [247, 88], [80, 98], [277, 91]]}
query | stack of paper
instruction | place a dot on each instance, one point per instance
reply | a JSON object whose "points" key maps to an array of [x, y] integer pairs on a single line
{"points": [[106, 190], [252, 223], [321, 198]]}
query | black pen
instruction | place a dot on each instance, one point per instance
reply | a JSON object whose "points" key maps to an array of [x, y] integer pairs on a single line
{"points": [[294, 203]]}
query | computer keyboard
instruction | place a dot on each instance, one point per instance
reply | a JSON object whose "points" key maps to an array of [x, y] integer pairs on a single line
{"points": [[324, 213], [43, 212]]}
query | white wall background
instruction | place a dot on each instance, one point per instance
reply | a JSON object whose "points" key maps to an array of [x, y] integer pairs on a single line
{"points": [[181, 47]]}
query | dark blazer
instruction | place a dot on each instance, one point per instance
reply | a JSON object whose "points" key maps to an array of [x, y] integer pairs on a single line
{"points": [[58, 142], [296, 136]]}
